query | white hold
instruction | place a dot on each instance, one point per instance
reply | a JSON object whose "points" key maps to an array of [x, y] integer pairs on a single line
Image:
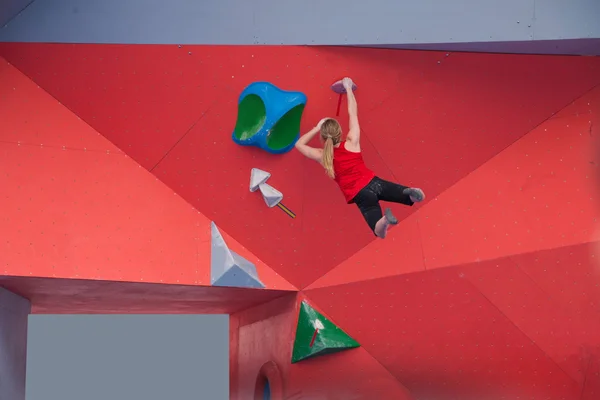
{"points": [[317, 324], [271, 195], [257, 178]]}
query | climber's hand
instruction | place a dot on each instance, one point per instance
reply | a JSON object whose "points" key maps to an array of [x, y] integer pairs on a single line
{"points": [[320, 124], [347, 82]]}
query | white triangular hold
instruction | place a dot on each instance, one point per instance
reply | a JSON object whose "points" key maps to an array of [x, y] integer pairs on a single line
{"points": [[271, 195], [227, 268], [257, 178]]}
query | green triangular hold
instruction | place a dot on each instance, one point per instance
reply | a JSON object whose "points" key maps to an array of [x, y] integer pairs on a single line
{"points": [[316, 335]]}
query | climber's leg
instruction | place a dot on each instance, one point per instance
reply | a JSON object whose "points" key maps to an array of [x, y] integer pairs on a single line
{"points": [[368, 204], [396, 193]]}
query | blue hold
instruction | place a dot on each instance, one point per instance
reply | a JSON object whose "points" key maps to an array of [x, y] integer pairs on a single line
{"points": [[269, 117]]}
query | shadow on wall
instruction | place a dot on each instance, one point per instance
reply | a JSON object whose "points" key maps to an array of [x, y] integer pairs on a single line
{"points": [[585, 46], [269, 383]]}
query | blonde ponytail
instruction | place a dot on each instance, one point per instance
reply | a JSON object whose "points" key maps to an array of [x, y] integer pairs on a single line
{"points": [[328, 157], [331, 134]]}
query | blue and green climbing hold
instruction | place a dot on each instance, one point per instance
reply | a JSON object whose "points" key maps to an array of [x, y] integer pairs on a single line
{"points": [[269, 117]]}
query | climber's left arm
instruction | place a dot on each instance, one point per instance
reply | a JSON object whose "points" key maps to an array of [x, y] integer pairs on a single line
{"points": [[306, 150]]}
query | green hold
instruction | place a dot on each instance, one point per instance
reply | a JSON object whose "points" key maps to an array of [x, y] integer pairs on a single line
{"points": [[251, 117], [316, 335], [285, 131]]}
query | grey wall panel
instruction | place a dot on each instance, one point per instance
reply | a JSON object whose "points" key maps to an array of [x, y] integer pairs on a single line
{"points": [[385, 21], [10, 8], [389, 21], [133, 21], [14, 311], [334, 22], [567, 19], [124, 357]]}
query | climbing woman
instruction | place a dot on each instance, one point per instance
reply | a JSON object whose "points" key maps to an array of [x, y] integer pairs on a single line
{"points": [[343, 162]]}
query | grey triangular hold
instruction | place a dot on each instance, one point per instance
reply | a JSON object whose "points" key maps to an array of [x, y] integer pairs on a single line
{"points": [[237, 277], [271, 195], [228, 268], [220, 256], [257, 178]]}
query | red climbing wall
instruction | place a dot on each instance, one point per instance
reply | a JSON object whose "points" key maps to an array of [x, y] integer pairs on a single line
{"points": [[428, 119], [76, 207], [488, 290], [514, 311], [91, 296], [265, 334], [540, 193], [444, 339]]}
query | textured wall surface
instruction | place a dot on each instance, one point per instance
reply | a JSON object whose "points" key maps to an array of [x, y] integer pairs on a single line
{"points": [[14, 311], [336, 22]]}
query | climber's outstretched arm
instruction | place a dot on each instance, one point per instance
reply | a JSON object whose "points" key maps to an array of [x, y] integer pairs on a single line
{"points": [[354, 127], [305, 149]]}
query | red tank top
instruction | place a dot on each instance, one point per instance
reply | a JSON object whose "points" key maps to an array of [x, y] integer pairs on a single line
{"points": [[351, 173]]}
